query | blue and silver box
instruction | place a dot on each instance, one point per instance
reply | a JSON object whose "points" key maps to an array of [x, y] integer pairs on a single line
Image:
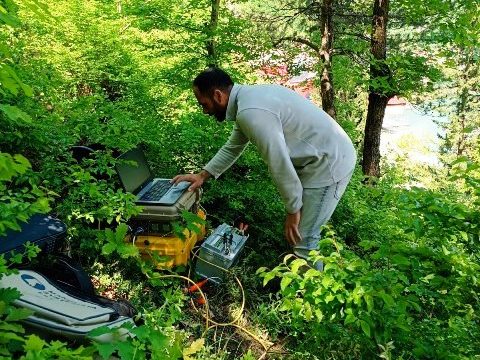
{"points": [[220, 251]]}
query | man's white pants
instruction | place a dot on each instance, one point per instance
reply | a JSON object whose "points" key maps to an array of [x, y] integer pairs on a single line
{"points": [[318, 206]]}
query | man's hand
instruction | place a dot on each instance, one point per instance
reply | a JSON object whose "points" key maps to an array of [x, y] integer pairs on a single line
{"points": [[195, 180], [291, 228]]}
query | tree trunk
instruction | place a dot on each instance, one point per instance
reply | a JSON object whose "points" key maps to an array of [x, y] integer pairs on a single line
{"points": [[470, 71], [211, 29], [326, 82], [461, 120], [377, 99], [373, 128]]}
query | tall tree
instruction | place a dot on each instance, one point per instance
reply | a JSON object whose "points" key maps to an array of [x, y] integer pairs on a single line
{"points": [[326, 51], [467, 81], [377, 97], [212, 58], [321, 13]]}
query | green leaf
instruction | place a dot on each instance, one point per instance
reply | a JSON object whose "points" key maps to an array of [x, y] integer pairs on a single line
{"points": [[403, 278], [5, 337], [325, 242], [415, 305], [403, 326], [367, 244], [27, 90], [178, 230], [268, 276], [194, 228], [287, 257], [350, 319], [365, 327], [18, 314], [194, 347], [296, 264], [101, 330], [8, 295], [22, 163], [126, 350], [109, 235], [327, 281], [308, 311], [34, 343], [127, 250], [387, 299], [141, 332], [15, 114], [108, 248], [11, 327], [285, 282], [193, 218], [311, 273], [40, 9], [121, 232], [329, 298], [286, 305], [9, 19], [11, 166], [428, 278], [159, 342], [369, 301], [260, 270], [106, 349], [16, 258], [460, 159], [400, 260]]}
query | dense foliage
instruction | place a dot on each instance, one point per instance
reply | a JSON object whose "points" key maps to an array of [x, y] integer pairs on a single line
{"points": [[400, 279]]}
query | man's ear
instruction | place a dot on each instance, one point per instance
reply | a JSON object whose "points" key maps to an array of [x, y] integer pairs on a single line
{"points": [[219, 96]]}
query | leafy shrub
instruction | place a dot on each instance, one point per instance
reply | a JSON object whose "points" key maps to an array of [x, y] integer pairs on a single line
{"points": [[406, 286]]}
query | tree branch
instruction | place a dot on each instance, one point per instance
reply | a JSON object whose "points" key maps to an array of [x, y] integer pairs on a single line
{"points": [[299, 40], [358, 35], [352, 55], [357, 15]]}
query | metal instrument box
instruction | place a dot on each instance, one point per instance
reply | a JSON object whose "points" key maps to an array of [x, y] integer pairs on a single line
{"points": [[220, 251]]}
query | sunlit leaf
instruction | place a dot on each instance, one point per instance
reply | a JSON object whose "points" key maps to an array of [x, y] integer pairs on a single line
{"points": [[194, 347]]}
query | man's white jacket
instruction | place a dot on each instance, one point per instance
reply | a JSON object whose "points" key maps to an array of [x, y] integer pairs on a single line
{"points": [[301, 144]]}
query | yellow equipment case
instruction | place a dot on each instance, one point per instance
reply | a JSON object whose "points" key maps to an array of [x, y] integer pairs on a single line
{"points": [[159, 238]]}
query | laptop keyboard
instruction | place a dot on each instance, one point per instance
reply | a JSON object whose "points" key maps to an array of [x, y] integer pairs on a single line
{"points": [[157, 190]]}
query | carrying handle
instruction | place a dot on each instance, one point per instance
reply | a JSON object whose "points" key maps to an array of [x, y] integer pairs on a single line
{"points": [[139, 230]]}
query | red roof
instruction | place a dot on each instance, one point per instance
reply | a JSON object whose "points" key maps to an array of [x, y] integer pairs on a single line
{"points": [[280, 73]]}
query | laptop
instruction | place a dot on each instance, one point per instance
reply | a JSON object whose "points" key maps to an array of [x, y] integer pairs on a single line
{"points": [[139, 180]]}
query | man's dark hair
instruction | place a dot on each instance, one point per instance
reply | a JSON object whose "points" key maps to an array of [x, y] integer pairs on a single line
{"points": [[212, 78]]}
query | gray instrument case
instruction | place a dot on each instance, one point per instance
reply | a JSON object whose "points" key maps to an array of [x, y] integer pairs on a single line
{"points": [[220, 250], [166, 213]]}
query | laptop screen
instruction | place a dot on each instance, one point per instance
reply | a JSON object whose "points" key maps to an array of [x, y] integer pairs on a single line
{"points": [[133, 176]]}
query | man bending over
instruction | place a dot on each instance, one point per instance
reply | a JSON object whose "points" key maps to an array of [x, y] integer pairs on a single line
{"points": [[309, 156]]}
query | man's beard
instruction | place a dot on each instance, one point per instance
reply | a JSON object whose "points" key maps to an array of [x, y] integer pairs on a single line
{"points": [[219, 112]]}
